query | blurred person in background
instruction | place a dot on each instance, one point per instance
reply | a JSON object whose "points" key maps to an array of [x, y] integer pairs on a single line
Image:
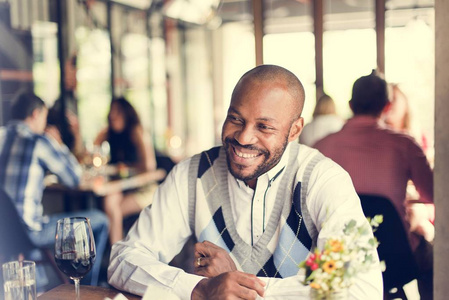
{"points": [[130, 151], [381, 161], [325, 121], [28, 150], [398, 116], [69, 129]]}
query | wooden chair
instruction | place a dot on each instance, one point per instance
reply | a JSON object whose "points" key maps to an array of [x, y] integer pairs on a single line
{"points": [[394, 248]]}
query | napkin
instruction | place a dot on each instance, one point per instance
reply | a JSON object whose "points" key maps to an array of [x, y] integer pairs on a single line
{"points": [[119, 296]]}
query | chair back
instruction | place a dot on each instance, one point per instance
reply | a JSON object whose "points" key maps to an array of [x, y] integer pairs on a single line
{"points": [[13, 236], [394, 248]]}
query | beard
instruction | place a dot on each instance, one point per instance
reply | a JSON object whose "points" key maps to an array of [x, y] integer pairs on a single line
{"points": [[271, 159]]}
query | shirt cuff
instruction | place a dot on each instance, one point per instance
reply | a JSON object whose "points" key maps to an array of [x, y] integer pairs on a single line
{"points": [[185, 283]]}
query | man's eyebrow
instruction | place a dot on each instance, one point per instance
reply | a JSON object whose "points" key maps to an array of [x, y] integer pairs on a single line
{"points": [[233, 110], [267, 119], [263, 119]]}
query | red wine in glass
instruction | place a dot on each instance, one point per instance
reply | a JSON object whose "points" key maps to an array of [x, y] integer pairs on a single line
{"points": [[74, 267], [74, 248]]}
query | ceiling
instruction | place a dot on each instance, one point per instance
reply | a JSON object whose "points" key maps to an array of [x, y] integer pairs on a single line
{"points": [[278, 11]]}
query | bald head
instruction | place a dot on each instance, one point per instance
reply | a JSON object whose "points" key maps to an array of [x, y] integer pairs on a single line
{"points": [[279, 75]]}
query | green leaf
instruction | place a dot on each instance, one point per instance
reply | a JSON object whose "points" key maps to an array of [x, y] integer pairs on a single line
{"points": [[379, 219], [350, 226]]}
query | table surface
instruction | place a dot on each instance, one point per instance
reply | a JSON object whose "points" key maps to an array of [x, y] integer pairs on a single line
{"points": [[67, 291], [101, 186]]}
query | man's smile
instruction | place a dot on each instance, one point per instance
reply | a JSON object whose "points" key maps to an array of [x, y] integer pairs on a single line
{"points": [[241, 154]]}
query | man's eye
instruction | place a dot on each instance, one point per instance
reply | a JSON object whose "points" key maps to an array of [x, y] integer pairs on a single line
{"points": [[265, 127], [234, 119]]}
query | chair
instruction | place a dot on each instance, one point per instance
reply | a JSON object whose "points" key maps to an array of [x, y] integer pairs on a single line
{"points": [[394, 248], [164, 162], [14, 241]]}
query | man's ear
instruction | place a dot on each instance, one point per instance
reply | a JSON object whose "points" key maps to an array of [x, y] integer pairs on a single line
{"points": [[295, 129], [35, 113]]}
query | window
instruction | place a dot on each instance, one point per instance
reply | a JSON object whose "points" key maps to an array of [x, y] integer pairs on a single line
{"points": [[410, 63], [349, 48]]}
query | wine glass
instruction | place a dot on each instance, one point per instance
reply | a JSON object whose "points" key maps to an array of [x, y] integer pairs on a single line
{"points": [[74, 248]]}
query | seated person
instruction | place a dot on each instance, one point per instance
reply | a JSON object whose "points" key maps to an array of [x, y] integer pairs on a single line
{"points": [[68, 126], [26, 154], [128, 149], [257, 206], [381, 161], [325, 121]]}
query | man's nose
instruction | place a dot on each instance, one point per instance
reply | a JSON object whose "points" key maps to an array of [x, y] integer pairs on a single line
{"points": [[246, 136]]}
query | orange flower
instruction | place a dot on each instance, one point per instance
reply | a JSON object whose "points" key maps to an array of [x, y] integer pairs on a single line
{"points": [[329, 266], [315, 285], [336, 245]]}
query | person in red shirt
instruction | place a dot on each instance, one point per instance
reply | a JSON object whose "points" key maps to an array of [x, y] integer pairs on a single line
{"points": [[381, 161]]}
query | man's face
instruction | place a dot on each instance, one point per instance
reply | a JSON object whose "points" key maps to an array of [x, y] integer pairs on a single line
{"points": [[258, 128]]}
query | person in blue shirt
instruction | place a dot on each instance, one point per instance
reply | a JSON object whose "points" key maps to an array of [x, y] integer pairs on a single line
{"points": [[28, 150]]}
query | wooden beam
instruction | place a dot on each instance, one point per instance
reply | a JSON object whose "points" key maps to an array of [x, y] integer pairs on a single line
{"points": [[111, 40], [258, 29], [318, 32], [380, 35]]}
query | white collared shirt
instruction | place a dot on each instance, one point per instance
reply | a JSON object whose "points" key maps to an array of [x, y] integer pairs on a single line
{"points": [[259, 202], [141, 260]]}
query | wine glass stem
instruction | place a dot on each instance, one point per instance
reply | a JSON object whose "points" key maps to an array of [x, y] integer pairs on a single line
{"points": [[77, 288]]}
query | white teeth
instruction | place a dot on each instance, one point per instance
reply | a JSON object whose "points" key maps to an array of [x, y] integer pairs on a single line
{"points": [[245, 155]]}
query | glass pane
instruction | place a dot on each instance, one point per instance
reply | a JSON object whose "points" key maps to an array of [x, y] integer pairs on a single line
{"points": [[93, 78], [159, 93], [349, 48], [199, 93], [135, 67], [289, 42], [46, 73], [410, 63], [296, 52], [238, 52]]}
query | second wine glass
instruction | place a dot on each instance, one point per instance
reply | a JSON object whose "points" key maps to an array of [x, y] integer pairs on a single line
{"points": [[74, 248]]}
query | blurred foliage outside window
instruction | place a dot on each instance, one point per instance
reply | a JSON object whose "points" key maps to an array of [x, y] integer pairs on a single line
{"points": [[93, 77], [46, 62]]}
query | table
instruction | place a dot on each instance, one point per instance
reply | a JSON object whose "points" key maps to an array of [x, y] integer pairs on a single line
{"points": [[102, 186], [136, 181], [67, 291]]}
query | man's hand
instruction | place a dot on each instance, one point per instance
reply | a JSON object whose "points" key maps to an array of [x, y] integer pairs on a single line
{"points": [[211, 260], [230, 285], [418, 216]]}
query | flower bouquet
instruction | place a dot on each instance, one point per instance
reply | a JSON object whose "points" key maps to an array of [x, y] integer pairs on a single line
{"points": [[331, 271]]}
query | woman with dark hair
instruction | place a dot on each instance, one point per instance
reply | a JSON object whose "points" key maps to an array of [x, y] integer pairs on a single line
{"points": [[128, 149]]}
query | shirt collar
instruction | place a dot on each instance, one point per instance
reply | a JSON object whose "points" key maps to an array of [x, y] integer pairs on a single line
{"points": [[363, 120], [21, 127], [275, 172]]}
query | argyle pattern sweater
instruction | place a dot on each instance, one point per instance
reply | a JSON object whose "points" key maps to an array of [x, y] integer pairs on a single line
{"points": [[290, 233]]}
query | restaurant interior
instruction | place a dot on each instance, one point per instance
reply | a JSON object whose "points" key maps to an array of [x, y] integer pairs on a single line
{"points": [[177, 62]]}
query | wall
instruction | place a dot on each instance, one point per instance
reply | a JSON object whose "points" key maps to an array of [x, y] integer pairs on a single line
{"points": [[441, 186]]}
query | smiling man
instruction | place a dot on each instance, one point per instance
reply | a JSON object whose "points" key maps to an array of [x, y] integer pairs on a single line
{"points": [[257, 205]]}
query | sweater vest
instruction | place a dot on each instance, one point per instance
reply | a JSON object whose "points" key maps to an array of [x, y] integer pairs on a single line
{"points": [[290, 233]]}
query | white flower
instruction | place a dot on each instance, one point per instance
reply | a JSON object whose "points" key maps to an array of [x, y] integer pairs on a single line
{"points": [[339, 264]]}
